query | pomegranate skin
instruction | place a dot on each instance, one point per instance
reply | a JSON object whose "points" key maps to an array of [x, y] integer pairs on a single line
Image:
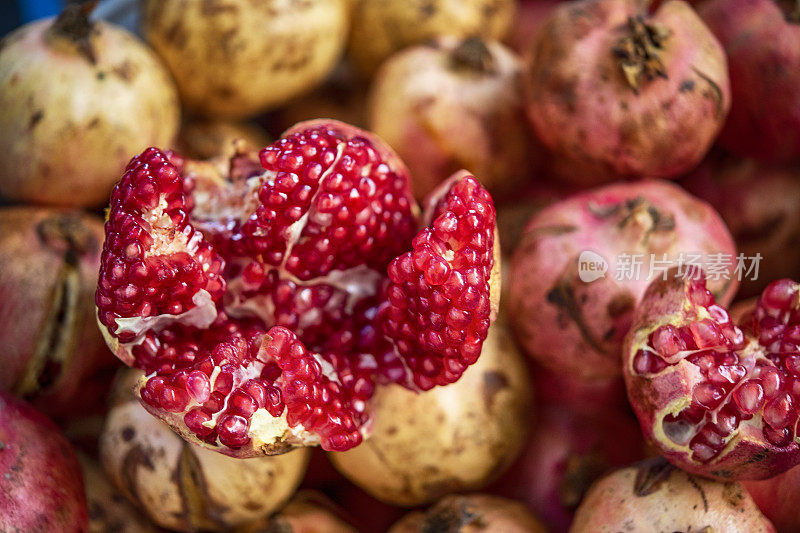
{"points": [[74, 109], [654, 496], [762, 41], [453, 104], [41, 486], [49, 260], [565, 453], [606, 113], [710, 407], [777, 498], [578, 328], [470, 513], [758, 203]]}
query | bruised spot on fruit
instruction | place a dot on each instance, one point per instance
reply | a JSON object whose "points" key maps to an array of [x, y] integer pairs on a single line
{"points": [[733, 495], [716, 92], [176, 34], [580, 471], [493, 383], [451, 517], [93, 123], [427, 8], [35, 119], [215, 7], [562, 295], [128, 433], [650, 476], [686, 86], [126, 70]]}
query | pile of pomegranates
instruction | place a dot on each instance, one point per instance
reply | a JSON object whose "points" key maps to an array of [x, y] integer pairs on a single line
{"points": [[401, 266]]}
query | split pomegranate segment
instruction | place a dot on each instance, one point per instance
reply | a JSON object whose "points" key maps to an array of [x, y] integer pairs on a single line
{"points": [[265, 305], [719, 399]]}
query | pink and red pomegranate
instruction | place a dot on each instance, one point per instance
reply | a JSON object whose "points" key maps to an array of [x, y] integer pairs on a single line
{"points": [[574, 275], [759, 204], [567, 452], [655, 496], [779, 499], [41, 485], [267, 298], [617, 92], [717, 398], [762, 41]]}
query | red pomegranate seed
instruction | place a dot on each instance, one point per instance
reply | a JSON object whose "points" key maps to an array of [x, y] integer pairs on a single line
{"points": [[232, 430], [195, 420], [749, 397], [708, 395], [779, 412]]}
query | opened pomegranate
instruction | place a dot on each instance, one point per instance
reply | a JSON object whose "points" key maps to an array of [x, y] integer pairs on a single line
{"points": [[616, 92], [48, 272], [471, 512], [573, 320], [778, 498], [453, 104], [567, 452], [655, 496], [41, 487], [259, 304], [762, 40], [78, 97], [717, 398], [758, 203]]}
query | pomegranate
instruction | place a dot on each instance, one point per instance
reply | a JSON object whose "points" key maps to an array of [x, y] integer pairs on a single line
{"points": [[258, 301], [419, 450], [205, 138], [453, 104], [41, 488], [77, 97], [577, 327], [576, 394], [566, 453], [381, 28], [471, 512], [759, 205], [762, 40], [307, 512], [48, 270], [615, 92], [655, 496], [718, 399], [777, 498], [185, 487], [109, 511], [234, 59]]}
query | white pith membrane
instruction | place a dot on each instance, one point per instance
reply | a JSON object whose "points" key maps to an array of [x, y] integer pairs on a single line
{"points": [[674, 433], [218, 202]]}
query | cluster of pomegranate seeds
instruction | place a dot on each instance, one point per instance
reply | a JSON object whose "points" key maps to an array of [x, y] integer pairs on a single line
{"points": [[153, 260], [752, 372], [267, 297], [438, 303]]}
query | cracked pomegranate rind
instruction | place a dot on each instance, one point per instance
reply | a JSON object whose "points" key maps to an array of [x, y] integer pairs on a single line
{"points": [[266, 304], [717, 398]]}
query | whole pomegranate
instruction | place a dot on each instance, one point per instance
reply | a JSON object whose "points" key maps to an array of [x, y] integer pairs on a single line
{"points": [[78, 97], [469, 513], [614, 92], [450, 439], [655, 496], [573, 320], [48, 271], [234, 59], [41, 488], [266, 300], [453, 104], [306, 512], [777, 498], [109, 511], [567, 452], [718, 399], [382, 27], [759, 205], [207, 138], [185, 487], [762, 40]]}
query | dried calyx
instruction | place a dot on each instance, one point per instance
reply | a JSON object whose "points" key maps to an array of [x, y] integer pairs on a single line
{"points": [[639, 51], [74, 25], [472, 54], [268, 303]]}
